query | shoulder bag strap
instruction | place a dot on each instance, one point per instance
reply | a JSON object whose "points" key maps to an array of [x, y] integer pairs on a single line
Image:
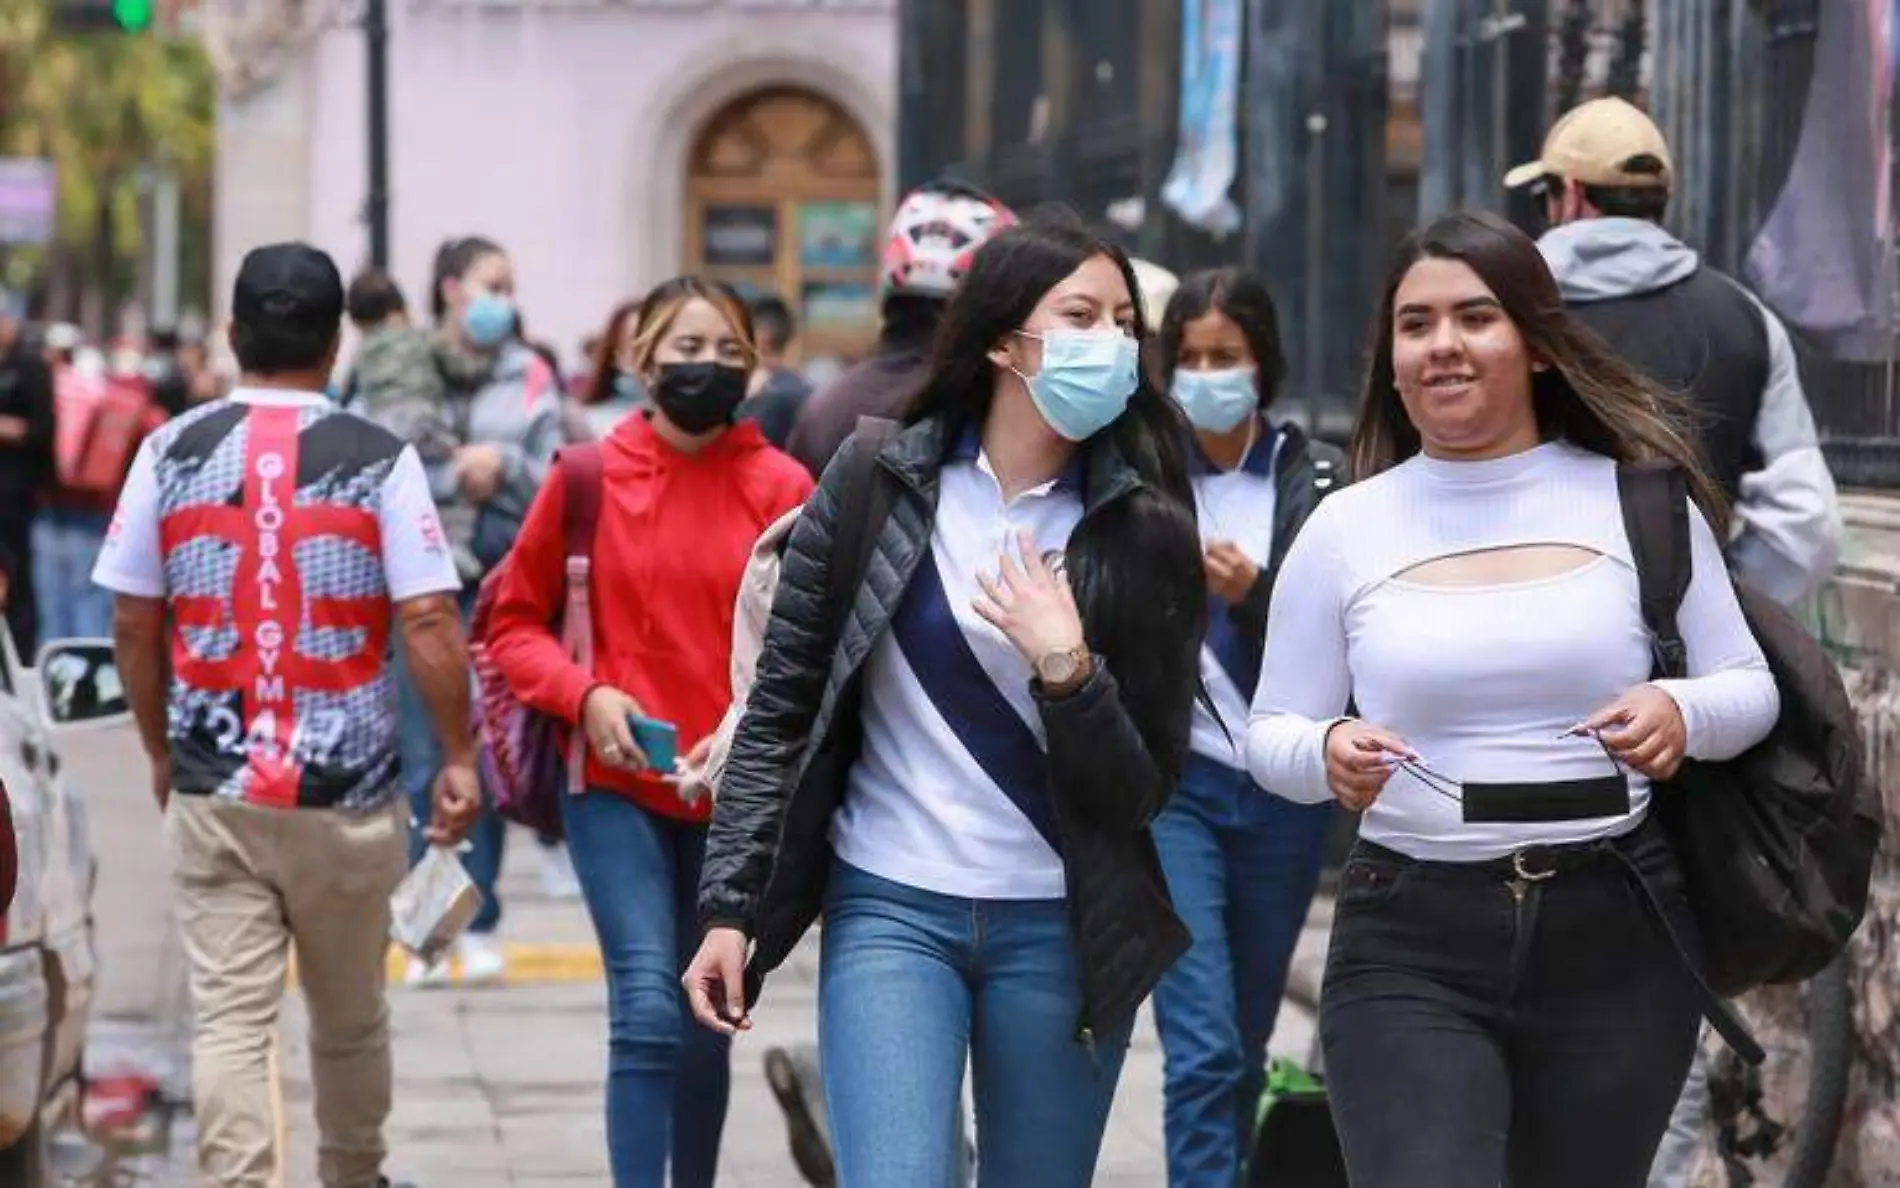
{"points": [[866, 505], [1655, 498], [580, 468], [580, 515]]}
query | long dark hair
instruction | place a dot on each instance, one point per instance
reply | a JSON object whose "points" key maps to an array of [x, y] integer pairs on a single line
{"points": [[1136, 565], [452, 262], [606, 355], [1588, 395], [1246, 301]]}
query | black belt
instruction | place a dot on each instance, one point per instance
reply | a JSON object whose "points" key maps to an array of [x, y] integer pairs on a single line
{"points": [[1539, 863]]}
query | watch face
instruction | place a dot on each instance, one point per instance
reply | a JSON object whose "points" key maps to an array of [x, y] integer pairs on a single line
{"points": [[1057, 668]]}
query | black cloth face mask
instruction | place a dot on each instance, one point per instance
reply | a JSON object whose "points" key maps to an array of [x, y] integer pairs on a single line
{"points": [[700, 397]]}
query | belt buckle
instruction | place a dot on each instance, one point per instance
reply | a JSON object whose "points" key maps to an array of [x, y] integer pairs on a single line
{"points": [[1529, 876]]}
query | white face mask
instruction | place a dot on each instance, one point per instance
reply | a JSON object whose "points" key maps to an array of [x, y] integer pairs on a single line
{"points": [[1217, 401]]}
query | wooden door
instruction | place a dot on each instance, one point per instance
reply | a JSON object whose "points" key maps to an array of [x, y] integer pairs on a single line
{"points": [[782, 197]]}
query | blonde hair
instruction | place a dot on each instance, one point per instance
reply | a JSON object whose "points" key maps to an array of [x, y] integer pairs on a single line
{"points": [[663, 305]]}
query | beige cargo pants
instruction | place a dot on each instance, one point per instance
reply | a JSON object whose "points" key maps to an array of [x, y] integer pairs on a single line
{"points": [[252, 883]]}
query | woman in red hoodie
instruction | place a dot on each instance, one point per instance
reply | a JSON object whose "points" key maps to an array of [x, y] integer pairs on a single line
{"points": [[685, 493]]}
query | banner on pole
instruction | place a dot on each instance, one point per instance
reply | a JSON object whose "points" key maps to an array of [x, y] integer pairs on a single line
{"points": [[1207, 158], [1824, 259]]}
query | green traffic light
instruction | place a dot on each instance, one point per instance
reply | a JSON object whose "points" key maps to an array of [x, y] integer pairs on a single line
{"points": [[134, 16]]}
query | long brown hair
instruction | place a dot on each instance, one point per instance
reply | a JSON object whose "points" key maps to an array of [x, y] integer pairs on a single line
{"points": [[605, 360], [1588, 396]]}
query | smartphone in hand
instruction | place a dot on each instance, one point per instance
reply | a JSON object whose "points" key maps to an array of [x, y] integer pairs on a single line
{"points": [[657, 740]]}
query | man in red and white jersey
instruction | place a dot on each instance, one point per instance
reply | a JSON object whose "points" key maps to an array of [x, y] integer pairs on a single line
{"points": [[264, 549]]}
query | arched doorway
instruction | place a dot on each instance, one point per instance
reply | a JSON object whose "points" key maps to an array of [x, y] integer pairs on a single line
{"points": [[782, 197]]}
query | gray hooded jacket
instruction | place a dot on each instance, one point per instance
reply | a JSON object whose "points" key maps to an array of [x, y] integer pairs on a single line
{"points": [[1788, 520]]}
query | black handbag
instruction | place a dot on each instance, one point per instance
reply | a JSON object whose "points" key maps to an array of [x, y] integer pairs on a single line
{"points": [[1295, 1145]]}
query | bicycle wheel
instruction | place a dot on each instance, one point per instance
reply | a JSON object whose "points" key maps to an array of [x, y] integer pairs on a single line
{"points": [[1831, 1049]]}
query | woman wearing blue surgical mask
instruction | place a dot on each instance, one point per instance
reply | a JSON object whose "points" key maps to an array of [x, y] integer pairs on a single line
{"points": [[503, 404], [613, 390], [975, 695], [1241, 864]]}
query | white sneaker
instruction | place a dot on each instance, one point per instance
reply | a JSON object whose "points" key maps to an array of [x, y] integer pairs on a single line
{"points": [[558, 880], [481, 959], [418, 976]]}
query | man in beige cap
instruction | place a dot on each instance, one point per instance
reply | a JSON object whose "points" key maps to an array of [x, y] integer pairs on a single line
{"points": [[1604, 177]]}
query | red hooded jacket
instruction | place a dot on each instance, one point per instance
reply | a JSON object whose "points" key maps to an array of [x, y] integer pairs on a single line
{"points": [[675, 533]]}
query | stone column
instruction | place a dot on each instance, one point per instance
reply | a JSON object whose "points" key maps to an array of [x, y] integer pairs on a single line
{"points": [[1858, 618]]}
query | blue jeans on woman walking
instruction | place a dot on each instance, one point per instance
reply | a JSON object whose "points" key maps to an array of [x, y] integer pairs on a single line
{"points": [[912, 984], [1242, 865], [66, 546], [667, 1077]]}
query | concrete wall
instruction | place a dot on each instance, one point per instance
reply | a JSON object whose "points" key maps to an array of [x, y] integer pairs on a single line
{"points": [[560, 130], [1858, 616]]}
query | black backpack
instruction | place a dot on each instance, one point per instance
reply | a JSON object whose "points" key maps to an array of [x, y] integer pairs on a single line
{"points": [[1776, 845]]}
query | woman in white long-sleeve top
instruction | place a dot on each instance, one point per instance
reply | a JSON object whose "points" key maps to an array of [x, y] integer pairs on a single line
{"points": [[1501, 1005]]}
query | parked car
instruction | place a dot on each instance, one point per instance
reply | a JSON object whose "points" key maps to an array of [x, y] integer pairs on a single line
{"points": [[47, 958]]}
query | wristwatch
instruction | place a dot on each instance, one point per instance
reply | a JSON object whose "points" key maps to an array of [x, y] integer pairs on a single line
{"points": [[1065, 671]]}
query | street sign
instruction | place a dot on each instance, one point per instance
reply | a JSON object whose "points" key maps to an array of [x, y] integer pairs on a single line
{"points": [[29, 193]]}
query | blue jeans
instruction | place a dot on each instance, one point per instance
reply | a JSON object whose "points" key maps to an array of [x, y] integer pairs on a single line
{"points": [[913, 984], [1242, 865], [66, 546], [420, 754], [667, 1077]]}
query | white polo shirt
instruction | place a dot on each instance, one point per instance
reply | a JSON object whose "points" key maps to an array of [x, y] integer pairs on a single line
{"points": [[952, 781], [1236, 506]]}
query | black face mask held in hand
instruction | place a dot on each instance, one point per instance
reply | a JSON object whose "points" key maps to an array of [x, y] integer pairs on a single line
{"points": [[700, 397]]}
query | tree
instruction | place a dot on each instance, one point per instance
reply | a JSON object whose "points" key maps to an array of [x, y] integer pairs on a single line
{"points": [[104, 108]]}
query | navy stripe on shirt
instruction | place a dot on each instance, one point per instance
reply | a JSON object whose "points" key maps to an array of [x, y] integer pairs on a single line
{"points": [[1224, 639], [986, 725]]}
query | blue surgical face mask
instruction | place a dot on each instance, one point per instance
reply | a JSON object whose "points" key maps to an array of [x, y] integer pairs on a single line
{"points": [[1086, 381], [627, 386], [489, 319], [1216, 401]]}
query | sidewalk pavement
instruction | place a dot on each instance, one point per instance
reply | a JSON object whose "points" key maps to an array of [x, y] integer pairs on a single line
{"points": [[501, 1086]]}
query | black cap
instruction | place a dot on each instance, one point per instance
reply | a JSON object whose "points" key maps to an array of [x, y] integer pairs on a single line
{"points": [[287, 286], [286, 309]]}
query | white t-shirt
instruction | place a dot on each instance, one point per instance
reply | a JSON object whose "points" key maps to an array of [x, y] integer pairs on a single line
{"points": [[279, 530], [414, 560], [1483, 680]]}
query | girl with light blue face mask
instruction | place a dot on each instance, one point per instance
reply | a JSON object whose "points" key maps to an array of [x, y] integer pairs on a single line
{"points": [[1241, 863], [1036, 609], [1086, 378]]}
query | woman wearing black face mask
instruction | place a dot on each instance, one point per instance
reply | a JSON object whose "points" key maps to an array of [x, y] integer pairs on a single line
{"points": [[684, 494]]}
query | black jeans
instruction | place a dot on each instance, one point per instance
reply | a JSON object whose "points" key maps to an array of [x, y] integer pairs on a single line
{"points": [[1481, 1032]]}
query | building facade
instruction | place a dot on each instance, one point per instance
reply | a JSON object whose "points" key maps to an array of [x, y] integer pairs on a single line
{"points": [[607, 144]]}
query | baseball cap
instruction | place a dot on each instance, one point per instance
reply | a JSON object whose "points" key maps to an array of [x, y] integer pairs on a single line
{"points": [[1158, 286], [1595, 143], [287, 285]]}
